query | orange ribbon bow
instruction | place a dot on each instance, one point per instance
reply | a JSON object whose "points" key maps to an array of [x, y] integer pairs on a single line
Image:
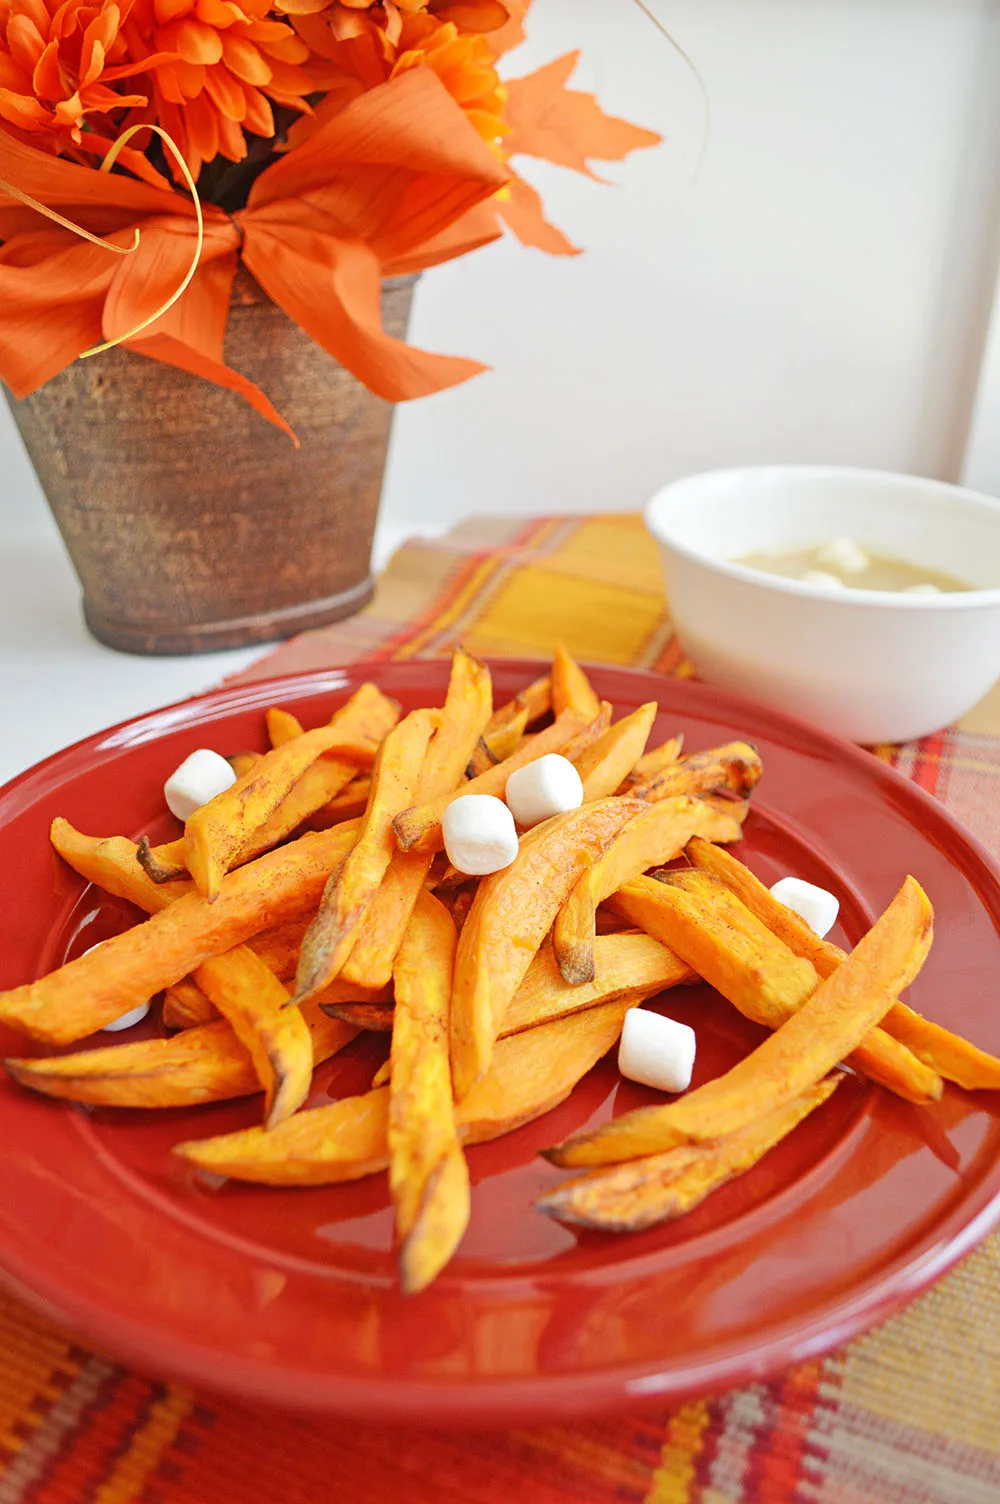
{"points": [[389, 186]]}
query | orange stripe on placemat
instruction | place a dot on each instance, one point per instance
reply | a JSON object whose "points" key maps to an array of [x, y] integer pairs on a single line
{"points": [[147, 1444], [682, 1446], [38, 1474], [37, 1364], [104, 1426], [776, 1462]]}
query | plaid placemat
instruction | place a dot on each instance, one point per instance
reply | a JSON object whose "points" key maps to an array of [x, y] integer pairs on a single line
{"points": [[909, 1414]]}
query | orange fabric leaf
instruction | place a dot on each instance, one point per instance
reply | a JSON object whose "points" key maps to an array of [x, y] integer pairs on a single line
{"points": [[332, 287], [521, 209], [512, 34], [479, 227], [566, 126]]}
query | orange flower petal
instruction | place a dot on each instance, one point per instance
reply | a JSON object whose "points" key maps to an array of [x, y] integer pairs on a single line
{"points": [[473, 15], [203, 129], [232, 142], [47, 80], [225, 93], [12, 77], [259, 116], [288, 80], [220, 13], [169, 84], [171, 10], [25, 41], [193, 40], [291, 49], [97, 38], [243, 59], [265, 31], [26, 113], [35, 10]]}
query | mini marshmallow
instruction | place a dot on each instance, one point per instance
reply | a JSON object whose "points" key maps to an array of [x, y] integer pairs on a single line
{"points": [[549, 786], [843, 554], [925, 589], [818, 907], [198, 779], [656, 1051], [133, 1016], [824, 578], [479, 834]]}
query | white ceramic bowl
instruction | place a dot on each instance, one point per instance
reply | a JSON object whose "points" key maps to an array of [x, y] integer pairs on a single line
{"points": [[872, 666]]}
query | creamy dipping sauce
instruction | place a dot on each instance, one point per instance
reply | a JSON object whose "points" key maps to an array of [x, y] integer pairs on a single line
{"points": [[825, 565]]}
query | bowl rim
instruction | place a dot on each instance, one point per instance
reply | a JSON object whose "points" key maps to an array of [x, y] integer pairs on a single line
{"points": [[975, 598]]}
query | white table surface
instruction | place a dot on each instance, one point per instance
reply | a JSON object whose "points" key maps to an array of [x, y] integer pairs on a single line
{"points": [[57, 683]]}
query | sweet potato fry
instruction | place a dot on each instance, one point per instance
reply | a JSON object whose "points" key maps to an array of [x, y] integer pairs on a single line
{"points": [[655, 761], [510, 917], [428, 1177], [823, 1032], [203, 1064], [589, 733], [282, 726], [162, 864], [419, 828], [630, 967], [941, 1051], [279, 946], [603, 765], [254, 1003], [530, 1074], [643, 1192], [348, 805], [242, 762], [185, 1006], [130, 968], [369, 714], [380, 933], [375, 1018], [656, 835], [112, 863], [532, 702], [495, 746], [395, 776], [571, 689], [722, 942], [738, 955], [216, 834], [734, 768]]}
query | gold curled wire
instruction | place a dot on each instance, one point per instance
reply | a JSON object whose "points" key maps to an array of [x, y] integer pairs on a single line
{"points": [[106, 166]]}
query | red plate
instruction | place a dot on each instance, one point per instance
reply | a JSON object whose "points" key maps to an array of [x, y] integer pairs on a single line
{"points": [[288, 1295]]}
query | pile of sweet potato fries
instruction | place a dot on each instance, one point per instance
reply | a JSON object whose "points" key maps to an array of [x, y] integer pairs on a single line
{"points": [[312, 900]]}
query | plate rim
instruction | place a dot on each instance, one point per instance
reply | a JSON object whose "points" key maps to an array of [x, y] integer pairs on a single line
{"points": [[493, 1401]]}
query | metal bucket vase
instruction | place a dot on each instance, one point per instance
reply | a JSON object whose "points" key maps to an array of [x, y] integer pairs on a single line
{"points": [[192, 522]]}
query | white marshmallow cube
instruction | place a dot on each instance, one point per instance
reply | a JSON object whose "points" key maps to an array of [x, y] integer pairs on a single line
{"points": [[133, 1016], [549, 786], [843, 554], [925, 589], [656, 1051], [479, 834], [817, 906], [824, 578], [198, 779]]}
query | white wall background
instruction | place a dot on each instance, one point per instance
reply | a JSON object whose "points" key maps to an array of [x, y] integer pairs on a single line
{"points": [[818, 291]]}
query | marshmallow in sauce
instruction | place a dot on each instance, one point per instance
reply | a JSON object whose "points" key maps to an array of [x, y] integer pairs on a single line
{"points": [[843, 562]]}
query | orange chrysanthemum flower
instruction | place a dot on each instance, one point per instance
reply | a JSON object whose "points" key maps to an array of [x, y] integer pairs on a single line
{"points": [[231, 61], [465, 64], [351, 18], [59, 62]]}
